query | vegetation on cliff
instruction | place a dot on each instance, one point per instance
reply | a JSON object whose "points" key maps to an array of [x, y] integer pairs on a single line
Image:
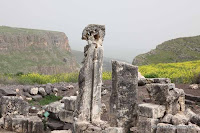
{"points": [[30, 50], [176, 50]]}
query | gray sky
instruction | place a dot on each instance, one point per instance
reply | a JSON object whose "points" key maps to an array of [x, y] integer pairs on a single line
{"points": [[132, 26]]}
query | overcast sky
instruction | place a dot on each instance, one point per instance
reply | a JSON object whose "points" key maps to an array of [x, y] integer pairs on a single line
{"points": [[132, 26]]}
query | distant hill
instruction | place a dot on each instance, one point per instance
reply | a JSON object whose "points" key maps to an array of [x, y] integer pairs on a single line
{"points": [[30, 50], [107, 66], [175, 50]]}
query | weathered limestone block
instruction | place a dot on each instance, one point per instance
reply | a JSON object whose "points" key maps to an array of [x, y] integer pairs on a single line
{"points": [[34, 91], [85, 127], [167, 119], [165, 128], [151, 110], [7, 92], [23, 124], [113, 130], [88, 103], [70, 103], [186, 129], [147, 125], [66, 116], [12, 105], [144, 81], [179, 118], [189, 113], [123, 100]]}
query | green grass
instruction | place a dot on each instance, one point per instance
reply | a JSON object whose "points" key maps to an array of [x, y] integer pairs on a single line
{"points": [[183, 72], [46, 100]]}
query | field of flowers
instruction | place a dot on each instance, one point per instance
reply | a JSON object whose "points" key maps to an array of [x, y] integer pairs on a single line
{"points": [[182, 72]]}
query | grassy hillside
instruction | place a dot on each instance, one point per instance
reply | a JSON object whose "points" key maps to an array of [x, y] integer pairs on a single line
{"points": [[30, 50], [176, 50], [183, 72]]}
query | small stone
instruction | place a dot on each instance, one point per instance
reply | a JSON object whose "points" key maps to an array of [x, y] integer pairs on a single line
{"points": [[34, 91], [29, 98], [42, 91], [179, 118], [55, 90], [194, 86], [37, 97], [151, 110], [104, 92]]}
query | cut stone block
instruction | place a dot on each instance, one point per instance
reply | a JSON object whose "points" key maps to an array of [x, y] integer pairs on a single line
{"points": [[61, 131], [167, 118], [165, 128], [12, 105], [151, 110], [196, 119], [54, 107], [70, 103], [147, 125], [186, 129], [179, 118], [66, 116], [123, 99], [22, 124], [164, 94]]}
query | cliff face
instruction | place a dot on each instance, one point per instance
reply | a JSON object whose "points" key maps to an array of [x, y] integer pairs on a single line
{"points": [[176, 50], [28, 50]]}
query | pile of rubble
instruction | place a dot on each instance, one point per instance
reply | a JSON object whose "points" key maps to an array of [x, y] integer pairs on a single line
{"points": [[166, 112]]}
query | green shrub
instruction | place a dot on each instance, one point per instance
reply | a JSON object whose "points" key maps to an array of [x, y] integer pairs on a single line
{"points": [[49, 99], [151, 75]]}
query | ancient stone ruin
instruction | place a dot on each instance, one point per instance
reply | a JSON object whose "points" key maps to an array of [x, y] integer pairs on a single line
{"points": [[81, 112]]}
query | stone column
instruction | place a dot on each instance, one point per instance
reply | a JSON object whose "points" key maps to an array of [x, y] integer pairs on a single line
{"points": [[88, 104], [123, 100]]}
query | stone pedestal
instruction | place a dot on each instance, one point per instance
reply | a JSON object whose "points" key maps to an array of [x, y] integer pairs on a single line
{"points": [[123, 100]]}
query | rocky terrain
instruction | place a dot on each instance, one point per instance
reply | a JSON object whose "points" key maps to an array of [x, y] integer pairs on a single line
{"points": [[175, 50], [30, 50]]}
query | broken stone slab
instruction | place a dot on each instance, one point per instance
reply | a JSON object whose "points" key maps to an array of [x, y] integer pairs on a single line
{"points": [[151, 110], [36, 97], [70, 103], [144, 81], [24, 124], [165, 128], [123, 99], [147, 125], [7, 92], [61, 131], [54, 107], [12, 105], [179, 118], [194, 86], [196, 119], [85, 127]]}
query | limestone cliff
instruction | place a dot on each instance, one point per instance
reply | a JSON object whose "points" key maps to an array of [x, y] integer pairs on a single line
{"points": [[29, 50]]}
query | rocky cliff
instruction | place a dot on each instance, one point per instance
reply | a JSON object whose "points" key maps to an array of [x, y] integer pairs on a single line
{"points": [[176, 50], [29, 50]]}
